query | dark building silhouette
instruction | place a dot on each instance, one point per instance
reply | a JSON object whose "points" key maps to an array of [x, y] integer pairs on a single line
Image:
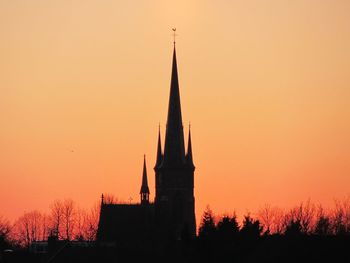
{"points": [[144, 191], [172, 215]]}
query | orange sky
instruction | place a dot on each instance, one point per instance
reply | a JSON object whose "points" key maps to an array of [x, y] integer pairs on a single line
{"points": [[265, 85]]}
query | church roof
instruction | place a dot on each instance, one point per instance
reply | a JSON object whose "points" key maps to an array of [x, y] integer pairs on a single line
{"points": [[125, 223]]}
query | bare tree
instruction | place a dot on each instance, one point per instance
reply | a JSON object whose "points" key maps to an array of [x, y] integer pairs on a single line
{"points": [[5, 227], [91, 222], [5, 231], [305, 213], [302, 215], [346, 205], [272, 219], [265, 216], [109, 199], [278, 221], [323, 223], [86, 223], [56, 217], [70, 222], [80, 222], [45, 226], [68, 218], [341, 217], [28, 228]]}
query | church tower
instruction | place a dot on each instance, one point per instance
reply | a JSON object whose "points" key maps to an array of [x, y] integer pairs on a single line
{"points": [[174, 172]]}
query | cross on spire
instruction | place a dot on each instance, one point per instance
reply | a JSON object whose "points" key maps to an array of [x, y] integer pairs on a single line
{"points": [[174, 35]]}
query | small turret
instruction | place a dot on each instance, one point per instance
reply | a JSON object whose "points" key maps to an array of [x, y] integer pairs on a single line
{"points": [[144, 191]]}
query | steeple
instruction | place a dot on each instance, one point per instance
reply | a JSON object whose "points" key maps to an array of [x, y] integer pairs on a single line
{"points": [[159, 151], [174, 179], [144, 191], [189, 157], [174, 147]]}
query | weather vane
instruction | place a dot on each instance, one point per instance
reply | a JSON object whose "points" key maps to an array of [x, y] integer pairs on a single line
{"points": [[174, 34]]}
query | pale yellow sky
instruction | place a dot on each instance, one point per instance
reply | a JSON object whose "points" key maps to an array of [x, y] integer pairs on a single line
{"points": [[265, 85]]}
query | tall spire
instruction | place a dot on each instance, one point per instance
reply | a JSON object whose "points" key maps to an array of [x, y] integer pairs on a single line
{"points": [[144, 191], [159, 151], [189, 157], [174, 147]]}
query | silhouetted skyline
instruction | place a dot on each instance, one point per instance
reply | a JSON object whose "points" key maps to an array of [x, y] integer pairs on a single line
{"points": [[85, 84]]}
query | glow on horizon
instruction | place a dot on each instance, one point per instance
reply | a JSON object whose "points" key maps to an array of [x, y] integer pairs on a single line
{"points": [[265, 85]]}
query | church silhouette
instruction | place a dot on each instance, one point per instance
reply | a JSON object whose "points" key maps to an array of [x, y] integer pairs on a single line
{"points": [[172, 215]]}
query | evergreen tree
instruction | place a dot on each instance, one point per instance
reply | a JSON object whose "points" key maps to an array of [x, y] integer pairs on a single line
{"points": [[227, 228], [207, 227], [251, 228]]}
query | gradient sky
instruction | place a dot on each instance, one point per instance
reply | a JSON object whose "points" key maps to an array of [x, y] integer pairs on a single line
{"points": [[84, 84]]}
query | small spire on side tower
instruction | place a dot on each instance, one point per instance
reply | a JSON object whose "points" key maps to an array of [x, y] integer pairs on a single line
{"points": [[144, 191], [189, 157], [159, 151]]}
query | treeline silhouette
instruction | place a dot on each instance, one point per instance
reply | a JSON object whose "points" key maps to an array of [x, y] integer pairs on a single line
{"points": [[306, 232], [304, 219], [64, 221]]}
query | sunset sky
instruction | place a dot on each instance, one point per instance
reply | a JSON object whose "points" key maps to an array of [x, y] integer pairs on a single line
{"points": [[84, 84]]}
